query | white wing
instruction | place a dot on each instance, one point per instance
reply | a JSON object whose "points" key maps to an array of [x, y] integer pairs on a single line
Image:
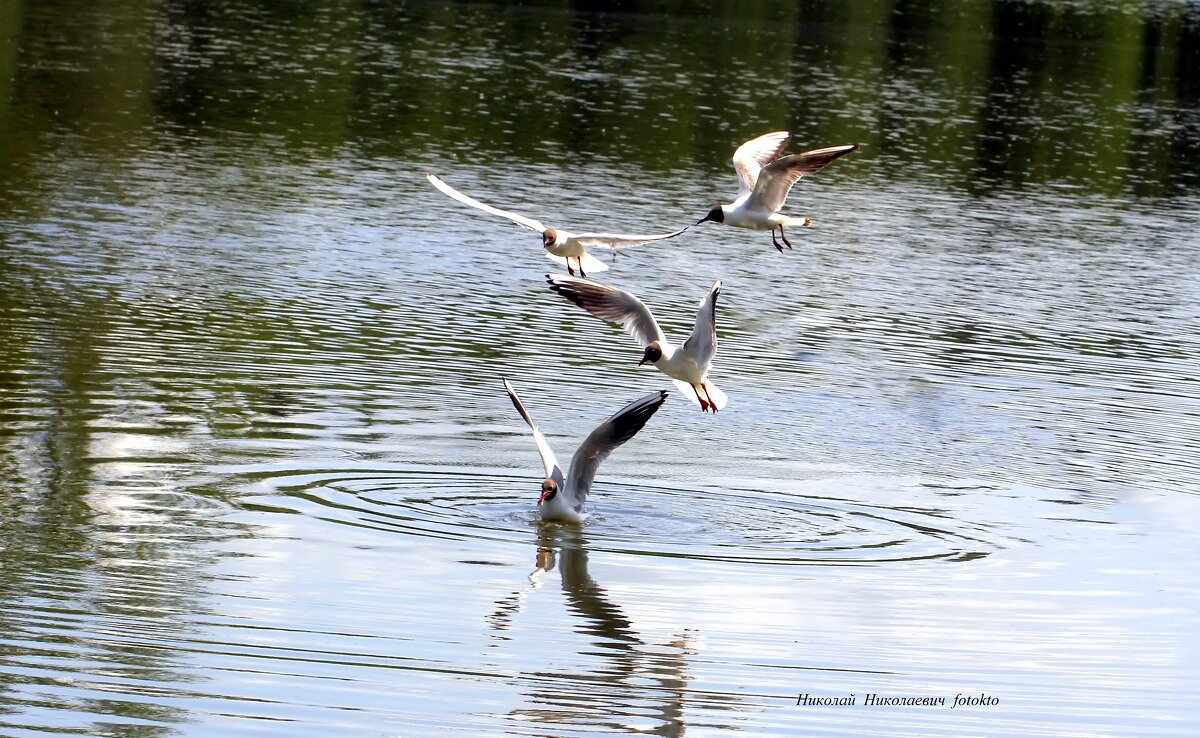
{"points": [[520, 220], [611, 433], [620, 240], [611, 304], [755, 154], [776, 179], [548, 459], [703, 342]]}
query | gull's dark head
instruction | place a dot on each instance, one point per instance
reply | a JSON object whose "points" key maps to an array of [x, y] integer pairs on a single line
{"points": [[653, 353], [549, 490], [549, 236], [716, 215]]}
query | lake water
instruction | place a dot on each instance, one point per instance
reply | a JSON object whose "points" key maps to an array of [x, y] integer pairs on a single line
{"points": [[258, 475]]}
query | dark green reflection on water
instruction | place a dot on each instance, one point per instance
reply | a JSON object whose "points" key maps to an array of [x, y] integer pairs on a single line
{"points": [[98, 576], [1099, 95]]}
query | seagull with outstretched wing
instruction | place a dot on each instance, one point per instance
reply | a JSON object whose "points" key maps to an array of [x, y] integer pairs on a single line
{"points": [[560, 245], [764, 180], [686, 365], [563, 498]]}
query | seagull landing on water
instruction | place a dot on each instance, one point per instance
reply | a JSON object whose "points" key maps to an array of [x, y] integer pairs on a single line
{"points": [[686, 365], [562, 499], [560, 245], [764, 180]]}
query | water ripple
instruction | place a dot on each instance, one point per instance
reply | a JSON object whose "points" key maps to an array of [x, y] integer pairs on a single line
{"points": [[729, 525]]}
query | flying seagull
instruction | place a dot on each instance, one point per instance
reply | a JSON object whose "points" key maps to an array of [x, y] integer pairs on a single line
{"points": [[561, 245], [764, 180], [686, 365]]}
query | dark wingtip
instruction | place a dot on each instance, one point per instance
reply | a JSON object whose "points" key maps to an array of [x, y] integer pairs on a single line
{"points": [[657, 402], [648, 409], [516, 402]]}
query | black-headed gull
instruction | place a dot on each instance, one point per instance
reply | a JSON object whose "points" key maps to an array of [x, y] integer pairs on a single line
{"points": [[764, 180], [562, 499], [560, 245], [687, 365]]}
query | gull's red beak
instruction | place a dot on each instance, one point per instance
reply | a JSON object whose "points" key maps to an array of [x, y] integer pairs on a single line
{"points": [[545, 495]]}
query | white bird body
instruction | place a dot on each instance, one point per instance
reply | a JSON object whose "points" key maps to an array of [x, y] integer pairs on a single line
{"points": [[680, 365], [739, 215], [566, 246], [764, 180], [559, 507], [686, 365], [563, 497], [561, 246]]}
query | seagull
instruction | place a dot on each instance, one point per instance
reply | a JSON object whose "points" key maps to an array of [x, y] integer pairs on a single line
{"points": [[687, 365], [563, 499], [764, 180], [560, 245]]}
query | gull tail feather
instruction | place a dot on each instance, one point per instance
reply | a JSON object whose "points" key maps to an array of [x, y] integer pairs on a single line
{"points": [[715, 395], [687, 391], [590, 263], [711, 392]]}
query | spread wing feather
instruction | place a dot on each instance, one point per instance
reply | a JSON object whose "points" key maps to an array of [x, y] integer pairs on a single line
{"points": [[620, 240], [618, 429], [755, 154], [520, 220], [611, 304], [776, 179], [548, 460], [703, 342]]}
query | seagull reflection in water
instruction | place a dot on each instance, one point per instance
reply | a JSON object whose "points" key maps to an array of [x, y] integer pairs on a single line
{"points": [[641, 680]]}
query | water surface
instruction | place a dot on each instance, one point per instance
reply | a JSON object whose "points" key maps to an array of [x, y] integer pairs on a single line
{"points": [[258, 474]]}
